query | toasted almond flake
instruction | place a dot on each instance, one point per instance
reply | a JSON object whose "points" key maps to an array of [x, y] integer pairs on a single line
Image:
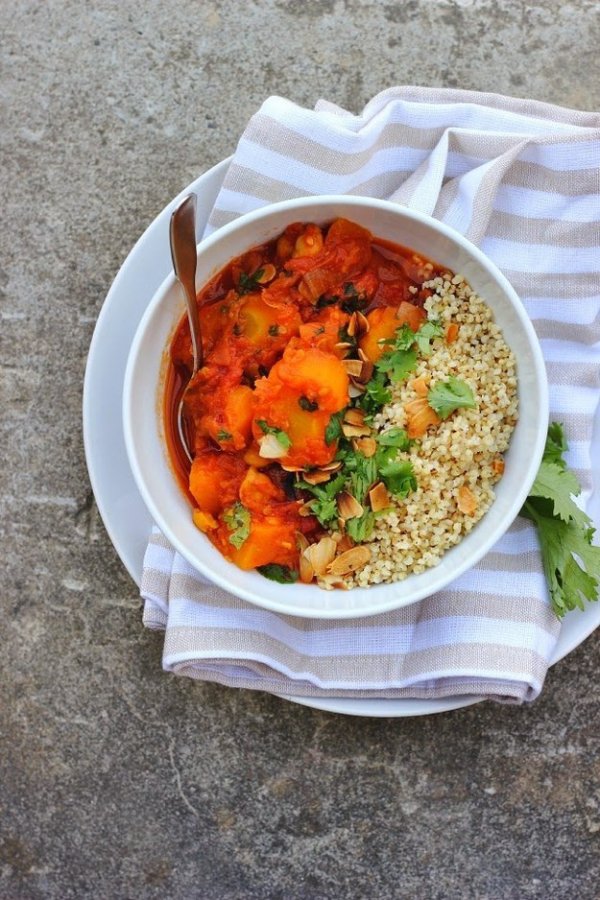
{"points": [[349, 561], [352, 431], [466, 500], [321, 554], [270, 448], [334, 466], [355, 389], [268, 274], [365, 445], [379, 497], [351, 326], [348, 506], [346, 543], [305, 510], [305, 569], [342, 347], [317, 476], [292, 468], [420, 385], [354, 416], [353, 367], [362, 323], [301, 542]]}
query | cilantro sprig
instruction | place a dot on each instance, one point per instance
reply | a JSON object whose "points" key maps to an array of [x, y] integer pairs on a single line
{"points": [[571, 562], [281, 574], [237, 519], [447, 396], [248, 283]]}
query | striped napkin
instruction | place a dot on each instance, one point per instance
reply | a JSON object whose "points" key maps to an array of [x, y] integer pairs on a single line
{"points": [[521, 179]]}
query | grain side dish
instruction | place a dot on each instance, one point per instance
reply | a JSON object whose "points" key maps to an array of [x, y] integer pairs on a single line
{"points": [[350, 419]]}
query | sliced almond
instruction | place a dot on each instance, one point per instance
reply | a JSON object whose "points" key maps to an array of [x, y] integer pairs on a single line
{"points": [[353, 367], [334, 466], [301, 542], [365, 445], [292, 468], [355, 389], [346, 543], [354, 431], [362, 323], [305, 569], [362, 355], [321, 554], [305, 510], [354, 416], [267, 273], [317, 476], [349, 561], [351, 326], [270, 448], [367, 371], [379, 497], [348, 506], [343, 347]]}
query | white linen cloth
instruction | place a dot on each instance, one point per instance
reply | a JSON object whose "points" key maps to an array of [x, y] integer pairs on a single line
{"points": [[521, 179]]}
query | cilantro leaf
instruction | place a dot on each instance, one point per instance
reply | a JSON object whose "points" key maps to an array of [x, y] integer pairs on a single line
{"points": [[281, 436], [360, 528], [394, 437], [376, 394], [571, 562], [398, 477], [426, 333], [334, 427], [558, 484], [248, 283], [306, 404], [237, 519], [447, 396], [397, 364], [275, 572], [223, 435], [324, 504]]}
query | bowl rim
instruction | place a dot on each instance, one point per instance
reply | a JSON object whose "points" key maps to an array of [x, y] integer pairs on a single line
{"points": [[535, 452]]}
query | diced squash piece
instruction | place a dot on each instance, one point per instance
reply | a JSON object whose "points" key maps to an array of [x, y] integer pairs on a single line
{"points": [[257, 491], [310, 242], [498, 465], [411, 315], [451, 332], [204, 521], [466, 500], [253, 458], [272, 539], [215, 479], [383, 325]]}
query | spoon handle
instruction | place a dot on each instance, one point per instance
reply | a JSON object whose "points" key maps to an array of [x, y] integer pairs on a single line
{"points": [[182, 234]]}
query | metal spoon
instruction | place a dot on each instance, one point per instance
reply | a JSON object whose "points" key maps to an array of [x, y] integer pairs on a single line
{"points": [[182, 235]]}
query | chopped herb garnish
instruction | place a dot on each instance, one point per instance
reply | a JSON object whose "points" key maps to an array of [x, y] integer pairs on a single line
{"points": [[308, 405], [376, 394], [398, 362], [398, 477], [237, 519], [223, 435], [324, 505], [273, 330], [426, 333], [394, 437], [447, 396], [248, 283], [325, 300], [275, 572], [334, 428], [352, 301], [281, 436], [361, 527]]}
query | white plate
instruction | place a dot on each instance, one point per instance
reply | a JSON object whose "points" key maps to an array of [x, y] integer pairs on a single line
{"points": [[125, 517]]}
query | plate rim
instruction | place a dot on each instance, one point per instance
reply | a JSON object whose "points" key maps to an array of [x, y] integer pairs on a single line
{"points": [[210, 180]]}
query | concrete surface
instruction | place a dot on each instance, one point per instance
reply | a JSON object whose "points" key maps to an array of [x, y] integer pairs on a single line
{"points": [[116, 780]]}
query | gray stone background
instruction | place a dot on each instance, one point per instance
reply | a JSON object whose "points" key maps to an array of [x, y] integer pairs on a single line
{"points": [[117, 781]]}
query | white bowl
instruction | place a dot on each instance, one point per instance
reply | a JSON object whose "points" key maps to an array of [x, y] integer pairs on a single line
{"points": [[144, 378]]}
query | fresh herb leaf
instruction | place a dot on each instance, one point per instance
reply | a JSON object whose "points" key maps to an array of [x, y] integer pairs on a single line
{"points": [[426, 333], [571, 562], [326, 300], [324, 505], [398, 364], [352, 301], [281, 436], [248, 283], [394, 437], [376, 394], [273, 330], [333, 430], [223, 435], [447, 396], [275, 572], [360, 528], [237, 519], [308, 405], [398, 477]]}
